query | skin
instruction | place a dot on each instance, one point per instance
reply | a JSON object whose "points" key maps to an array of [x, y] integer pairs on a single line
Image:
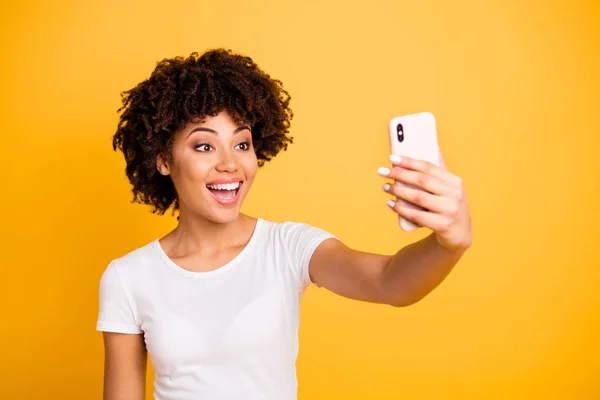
{"points": [[209, 234]]}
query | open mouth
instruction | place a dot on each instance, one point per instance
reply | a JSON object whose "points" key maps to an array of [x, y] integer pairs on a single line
{"points": [[225, 193]]}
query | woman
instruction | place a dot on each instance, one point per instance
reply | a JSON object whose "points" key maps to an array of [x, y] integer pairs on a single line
{"points": [[216, 301]]}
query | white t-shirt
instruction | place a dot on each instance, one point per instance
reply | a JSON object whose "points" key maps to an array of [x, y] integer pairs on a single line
{"points": [[230, 333]]}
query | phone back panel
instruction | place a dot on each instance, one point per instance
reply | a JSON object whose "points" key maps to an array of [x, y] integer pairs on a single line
{"points": [[414, 136], [419, 137]]}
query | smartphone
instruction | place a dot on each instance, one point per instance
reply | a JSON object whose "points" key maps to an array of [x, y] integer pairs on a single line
{"points": [[414, 136]]}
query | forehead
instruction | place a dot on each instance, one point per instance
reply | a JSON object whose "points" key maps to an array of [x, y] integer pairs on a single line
{"points": [[222, 118], [222, 124], [219, 125]]}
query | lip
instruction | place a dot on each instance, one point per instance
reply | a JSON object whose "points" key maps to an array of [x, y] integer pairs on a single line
{"points": [[231, 202], [224, 181]]}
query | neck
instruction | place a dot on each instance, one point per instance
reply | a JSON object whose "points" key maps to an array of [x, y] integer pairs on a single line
{"points": [[196, 235]]}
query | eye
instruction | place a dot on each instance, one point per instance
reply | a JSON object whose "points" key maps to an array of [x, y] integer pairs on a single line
{"points": [[244, 146], [203, 147]]}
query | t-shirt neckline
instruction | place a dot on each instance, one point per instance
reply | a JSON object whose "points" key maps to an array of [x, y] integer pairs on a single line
{"points": [[221, 270]]}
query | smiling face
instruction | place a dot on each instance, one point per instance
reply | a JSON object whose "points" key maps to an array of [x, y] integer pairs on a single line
{"points": [[212, 166]]}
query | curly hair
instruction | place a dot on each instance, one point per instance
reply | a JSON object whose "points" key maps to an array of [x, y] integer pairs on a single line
{"points": [[181, 90]]}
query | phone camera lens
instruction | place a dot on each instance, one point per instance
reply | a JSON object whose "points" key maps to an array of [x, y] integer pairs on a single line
{"points": [[400, 132]]}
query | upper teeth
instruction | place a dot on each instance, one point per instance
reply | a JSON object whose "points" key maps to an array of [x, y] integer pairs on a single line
{"points": [[226, 186]]}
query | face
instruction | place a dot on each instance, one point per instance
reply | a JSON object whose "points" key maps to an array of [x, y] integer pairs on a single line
{"points": [[212, 166]]}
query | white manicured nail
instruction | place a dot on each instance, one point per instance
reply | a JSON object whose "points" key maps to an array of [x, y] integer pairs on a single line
{"points": [[383, 171], [395, 159], [391, 203], [386, 187]]}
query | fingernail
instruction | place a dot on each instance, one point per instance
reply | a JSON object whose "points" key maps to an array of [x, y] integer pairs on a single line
{"points": [[383, 171], [391, 203], [395, 159], [386, 187]]}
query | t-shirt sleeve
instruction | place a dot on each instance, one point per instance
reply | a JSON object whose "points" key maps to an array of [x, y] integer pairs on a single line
{"points": [[301, 241], [116, 313]]}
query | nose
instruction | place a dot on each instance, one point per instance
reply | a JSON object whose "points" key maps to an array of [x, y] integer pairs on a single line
{"points": [[226, 162]]}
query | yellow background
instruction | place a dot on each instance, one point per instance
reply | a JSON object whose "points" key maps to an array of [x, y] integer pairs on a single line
{"points": [[516, 90]]}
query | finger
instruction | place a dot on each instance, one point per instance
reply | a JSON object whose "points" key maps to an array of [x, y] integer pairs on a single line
{"points": [[428, 201], [421, 180], [423, 166], [433, 221]]}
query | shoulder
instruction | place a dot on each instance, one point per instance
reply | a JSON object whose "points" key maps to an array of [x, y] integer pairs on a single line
{"points": [[287, 226], [294, 236], [135, 262], [287, 230]]}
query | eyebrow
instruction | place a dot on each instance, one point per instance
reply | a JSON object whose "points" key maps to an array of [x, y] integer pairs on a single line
{"points": [[203, 129]]}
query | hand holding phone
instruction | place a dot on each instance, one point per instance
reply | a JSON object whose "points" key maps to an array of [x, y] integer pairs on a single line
{"points": [[414, 136]]}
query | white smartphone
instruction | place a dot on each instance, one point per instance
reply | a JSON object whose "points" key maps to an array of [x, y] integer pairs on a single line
{"points": [[414, 136]]}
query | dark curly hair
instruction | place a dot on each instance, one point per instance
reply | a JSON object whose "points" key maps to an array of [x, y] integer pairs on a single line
{"points": [[181, 90]]}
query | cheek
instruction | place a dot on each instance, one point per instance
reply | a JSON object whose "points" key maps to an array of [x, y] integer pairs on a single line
{"points": [[191, 170], [250, 168]]}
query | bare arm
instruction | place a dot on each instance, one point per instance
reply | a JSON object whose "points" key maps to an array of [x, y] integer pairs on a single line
{"points": [[398, 280], [417, 269], [124, 366]]}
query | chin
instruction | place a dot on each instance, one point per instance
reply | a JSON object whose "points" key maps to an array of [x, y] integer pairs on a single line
{"points": [[224, 216]]}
